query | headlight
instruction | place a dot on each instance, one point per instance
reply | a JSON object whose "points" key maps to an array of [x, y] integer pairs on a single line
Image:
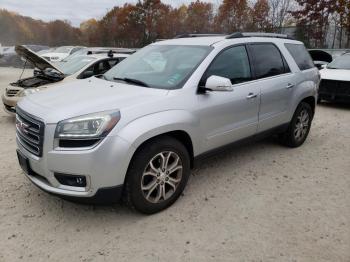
{"points": [[30, 91], [92, 126]]}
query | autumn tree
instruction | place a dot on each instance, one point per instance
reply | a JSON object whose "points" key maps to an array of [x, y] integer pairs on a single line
{"points": [[199, 17], [62, 33], [89, 30], [232, 16], [152, 17], [259, 15], [176, 22], [314, 14]]}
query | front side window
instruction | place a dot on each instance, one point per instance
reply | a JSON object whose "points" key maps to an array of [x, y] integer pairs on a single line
{"points": [[300, 55], [268, 60], [159, 66], [232, 63]]}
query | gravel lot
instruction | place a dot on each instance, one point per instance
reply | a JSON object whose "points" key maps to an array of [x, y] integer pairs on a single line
{"points": [[259, 202]]}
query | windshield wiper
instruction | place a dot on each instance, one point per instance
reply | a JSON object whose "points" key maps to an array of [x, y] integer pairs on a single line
{"points": [[132, 81]]}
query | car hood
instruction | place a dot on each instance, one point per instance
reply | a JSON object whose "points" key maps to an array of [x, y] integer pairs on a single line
{"points": [[87, 96], [335, 74], [36, 60], [320, 55]]}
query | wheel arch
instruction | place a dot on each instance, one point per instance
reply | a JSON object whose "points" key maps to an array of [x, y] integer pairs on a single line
{"points": [[310, 100]]}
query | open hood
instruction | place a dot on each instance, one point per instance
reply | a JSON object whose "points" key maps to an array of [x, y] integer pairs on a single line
{"points": [[320, 55], [36, 60]]}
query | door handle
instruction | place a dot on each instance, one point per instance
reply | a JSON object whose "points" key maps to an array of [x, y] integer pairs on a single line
{"points": [[289, 86], [252, 95]]}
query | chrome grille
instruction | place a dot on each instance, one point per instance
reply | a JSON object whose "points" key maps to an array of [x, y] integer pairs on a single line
{"points": [[30, 132], [11, 92]]}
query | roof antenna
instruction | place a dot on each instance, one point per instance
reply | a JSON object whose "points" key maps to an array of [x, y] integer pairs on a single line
{"points": [[110, 53]]}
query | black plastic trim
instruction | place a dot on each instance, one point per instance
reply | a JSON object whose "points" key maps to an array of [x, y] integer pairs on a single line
{"points": [[276, 130]]}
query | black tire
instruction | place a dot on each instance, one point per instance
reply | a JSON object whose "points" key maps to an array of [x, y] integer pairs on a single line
{"points": [[134, 196], [289, 137]]}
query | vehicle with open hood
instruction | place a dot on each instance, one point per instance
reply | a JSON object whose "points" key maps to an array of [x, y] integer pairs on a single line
{"points": [[46, 74], [335, 80]]}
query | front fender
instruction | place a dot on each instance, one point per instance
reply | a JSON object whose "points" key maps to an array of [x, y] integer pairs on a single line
{"points": [[146, 127]]}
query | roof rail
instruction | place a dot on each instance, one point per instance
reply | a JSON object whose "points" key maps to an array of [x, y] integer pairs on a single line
{"points": [[197, 35], [257, 34]]}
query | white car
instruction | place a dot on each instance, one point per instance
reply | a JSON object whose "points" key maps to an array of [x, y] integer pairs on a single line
{"points": [[61, 53], [47, 75], [335, 80]]}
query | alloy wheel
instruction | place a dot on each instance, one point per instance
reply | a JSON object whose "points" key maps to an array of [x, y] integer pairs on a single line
{"points": [[161, 176], [301, 125]]}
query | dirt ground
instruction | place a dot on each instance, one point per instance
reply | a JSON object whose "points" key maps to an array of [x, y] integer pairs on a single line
{"points": [[258, 202]]}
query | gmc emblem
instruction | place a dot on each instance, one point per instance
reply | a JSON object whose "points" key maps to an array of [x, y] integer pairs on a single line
{"points": [[21, 126]]}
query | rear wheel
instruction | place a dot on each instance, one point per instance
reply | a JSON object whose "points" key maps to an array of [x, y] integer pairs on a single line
{"points": [[299, 127], [157, 175]]}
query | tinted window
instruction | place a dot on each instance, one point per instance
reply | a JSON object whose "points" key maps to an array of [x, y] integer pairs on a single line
{"points": [[232, 63], [113, 62], [101, 67], [300, 55], [267, 60]]}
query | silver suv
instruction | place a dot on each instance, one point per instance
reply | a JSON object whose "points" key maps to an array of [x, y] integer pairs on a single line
{"points": [[135, 132]]}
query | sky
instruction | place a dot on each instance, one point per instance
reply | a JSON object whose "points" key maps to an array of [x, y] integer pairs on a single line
{"points": [[76, 11]]}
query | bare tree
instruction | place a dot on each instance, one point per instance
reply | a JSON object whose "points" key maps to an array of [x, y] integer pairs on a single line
{"points": [[279, 12]]}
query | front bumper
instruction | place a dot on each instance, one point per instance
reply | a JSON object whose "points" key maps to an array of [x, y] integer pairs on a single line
{"points": [[104, 167], [102, 196]]}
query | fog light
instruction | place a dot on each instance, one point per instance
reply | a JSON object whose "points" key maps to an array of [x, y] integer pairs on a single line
{"points": [[71, 180]]}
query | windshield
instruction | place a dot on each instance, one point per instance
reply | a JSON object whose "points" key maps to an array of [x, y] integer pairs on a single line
{"points": [[76, 54], [74, 65], [63, 49], [341, 62], [159, 66]]}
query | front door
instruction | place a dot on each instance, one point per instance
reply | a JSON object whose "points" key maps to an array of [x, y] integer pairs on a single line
{"points": [[226, 117]]}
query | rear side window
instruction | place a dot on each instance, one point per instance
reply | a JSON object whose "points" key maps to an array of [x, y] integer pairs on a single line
{"points": [[300, 55], [268, 60], [232, 63]]}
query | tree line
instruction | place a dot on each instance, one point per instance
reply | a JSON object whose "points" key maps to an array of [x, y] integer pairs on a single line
{"points": [[136, 25]]}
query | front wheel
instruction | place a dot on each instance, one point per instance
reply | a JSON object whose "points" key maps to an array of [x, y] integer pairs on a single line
{"points": [[299, 127], [157, 175]]}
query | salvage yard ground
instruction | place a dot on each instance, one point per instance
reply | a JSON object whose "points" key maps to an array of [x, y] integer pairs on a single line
{"points": [[258, 202]]}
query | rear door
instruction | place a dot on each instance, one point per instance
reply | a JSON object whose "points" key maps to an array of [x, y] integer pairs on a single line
{"points": [[276, 82]]}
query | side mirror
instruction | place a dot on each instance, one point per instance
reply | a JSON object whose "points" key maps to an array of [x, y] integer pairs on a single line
{"points": [[218, 83], [87, 74], [323, 66]]}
